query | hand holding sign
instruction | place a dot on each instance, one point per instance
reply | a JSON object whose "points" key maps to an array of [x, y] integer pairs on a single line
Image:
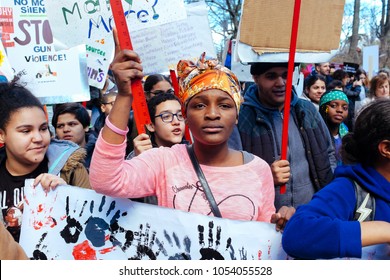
{"points": [[127, 70], [126, 67]]}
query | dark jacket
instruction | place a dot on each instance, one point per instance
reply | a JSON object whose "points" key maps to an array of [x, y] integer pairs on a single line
{"points": [[324, 228], [90, 138], [353, 94], [313, 161]]}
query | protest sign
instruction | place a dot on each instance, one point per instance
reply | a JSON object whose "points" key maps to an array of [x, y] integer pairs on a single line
{"points": [[75, 223], [54, 77], [371, 60], [316, 42], [91, 23], [161, 47]]}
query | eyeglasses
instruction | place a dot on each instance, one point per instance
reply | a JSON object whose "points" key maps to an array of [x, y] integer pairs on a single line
{"points": [[111, 103], [167, 117], [157, 92]]}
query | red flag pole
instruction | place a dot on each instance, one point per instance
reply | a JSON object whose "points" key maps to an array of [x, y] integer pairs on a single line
{"points": [[287, 101], [175, 85]]}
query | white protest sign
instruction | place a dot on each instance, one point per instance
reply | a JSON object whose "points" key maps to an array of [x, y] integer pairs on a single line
{"points": [[54, 77], [75, 223], [371, 60], [161, 47], [90, 22]]}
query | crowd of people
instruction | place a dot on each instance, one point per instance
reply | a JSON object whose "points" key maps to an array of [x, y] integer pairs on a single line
{"points": [[339, 138]]}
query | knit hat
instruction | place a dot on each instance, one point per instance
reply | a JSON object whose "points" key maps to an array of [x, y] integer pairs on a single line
{"points": [[204, 75]]}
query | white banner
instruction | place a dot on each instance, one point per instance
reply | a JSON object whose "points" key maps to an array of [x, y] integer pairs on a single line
{"points": [[71, 223], [74, 223]]}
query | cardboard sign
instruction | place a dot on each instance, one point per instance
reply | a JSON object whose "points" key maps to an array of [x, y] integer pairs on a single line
{"points": [[266, 25]]}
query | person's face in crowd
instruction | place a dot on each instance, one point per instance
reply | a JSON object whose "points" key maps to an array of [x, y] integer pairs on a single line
{"points": [[363, 78], [26, 138], [160, 87], [168, 128], [272, 87], [382, 90], [345, 80], [323, 69], [316, 91], [337, 111], [106, 107], [69, 128], [211, 116]]}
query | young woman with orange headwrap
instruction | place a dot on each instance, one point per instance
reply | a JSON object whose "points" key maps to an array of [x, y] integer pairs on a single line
{"points": [[240, 182]]}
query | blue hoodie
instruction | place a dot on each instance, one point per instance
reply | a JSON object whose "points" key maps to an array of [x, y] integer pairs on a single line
{"points": [[324, 228]]}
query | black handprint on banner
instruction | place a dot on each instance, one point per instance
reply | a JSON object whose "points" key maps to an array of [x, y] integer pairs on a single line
{"points": [[38, 253], [73, 228], [96, 228], [146, 241], [210, 253], [183, 254]]}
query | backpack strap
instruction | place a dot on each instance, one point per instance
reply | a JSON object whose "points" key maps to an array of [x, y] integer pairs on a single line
{"points": [[365, 204]]}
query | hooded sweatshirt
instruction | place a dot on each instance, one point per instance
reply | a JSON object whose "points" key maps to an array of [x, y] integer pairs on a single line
{"points": [[324, 228]]}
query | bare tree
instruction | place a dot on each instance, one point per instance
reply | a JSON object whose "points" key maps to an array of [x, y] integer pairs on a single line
{"points": [[353, 47], [383, 33], [224, 17]]}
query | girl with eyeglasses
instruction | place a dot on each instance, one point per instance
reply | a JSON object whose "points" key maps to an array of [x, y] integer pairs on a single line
{"points": [[241, 183], [167, 127]]}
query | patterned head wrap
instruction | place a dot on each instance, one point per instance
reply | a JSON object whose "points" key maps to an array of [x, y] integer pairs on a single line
{"points": [[333, 95], [205, 75]]}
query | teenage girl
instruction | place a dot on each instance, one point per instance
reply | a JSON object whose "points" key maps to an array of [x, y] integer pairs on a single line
{"points": [[240, 182], [334, 111], [29, 152]]}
